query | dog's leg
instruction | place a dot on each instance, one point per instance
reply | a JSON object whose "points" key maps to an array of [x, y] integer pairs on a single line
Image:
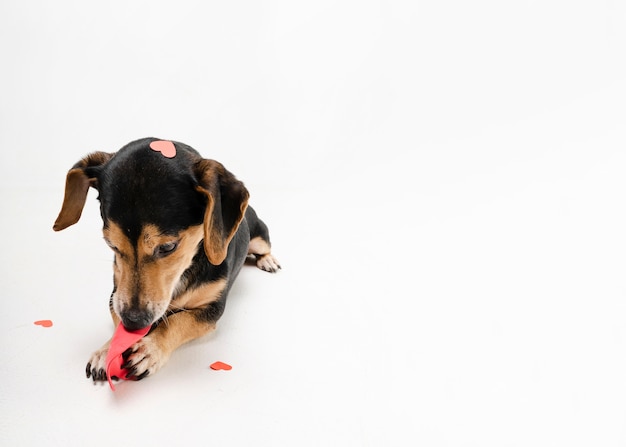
{"points": [[264, 258], [150, 353], [96, 367], [260, 245]]}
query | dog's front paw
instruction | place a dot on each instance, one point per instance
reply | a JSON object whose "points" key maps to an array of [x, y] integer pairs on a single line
{"points": [[143, 358], [96, 367]]}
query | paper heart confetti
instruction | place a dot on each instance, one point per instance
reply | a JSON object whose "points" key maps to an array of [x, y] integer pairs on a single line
{"points": [[121, 341], [166, 148], [221, 366], [44, 323]]}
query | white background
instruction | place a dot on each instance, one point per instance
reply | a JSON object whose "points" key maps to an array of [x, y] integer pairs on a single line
{"points": [[444, 182]]}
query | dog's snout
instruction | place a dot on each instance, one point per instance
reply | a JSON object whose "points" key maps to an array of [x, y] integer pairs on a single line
{"points": [[134, 319]]}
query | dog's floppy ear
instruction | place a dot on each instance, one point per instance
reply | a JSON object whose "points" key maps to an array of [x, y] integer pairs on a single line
{"points": [[227, 200], [77, 183]]}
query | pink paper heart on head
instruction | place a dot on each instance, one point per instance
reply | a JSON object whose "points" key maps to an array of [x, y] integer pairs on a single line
{"points": [[167, 148], [121, 341]]}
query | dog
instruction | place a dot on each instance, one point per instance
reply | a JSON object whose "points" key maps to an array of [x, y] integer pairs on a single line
{"points": [[180, 228]]}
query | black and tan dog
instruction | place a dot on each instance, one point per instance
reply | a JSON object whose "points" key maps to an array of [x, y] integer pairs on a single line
{"points": [[181, 229]]}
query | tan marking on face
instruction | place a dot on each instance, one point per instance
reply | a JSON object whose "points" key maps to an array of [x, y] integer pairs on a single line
{"points": [[122, 266], [141, 271], [258, 246], [199, 297]]}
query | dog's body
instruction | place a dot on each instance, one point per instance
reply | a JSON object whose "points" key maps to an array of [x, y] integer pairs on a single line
{"points": [[181, 229]]}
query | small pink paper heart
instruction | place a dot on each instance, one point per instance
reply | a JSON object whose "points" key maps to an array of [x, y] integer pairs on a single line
{"points": [[221, 366], [167, 148], [44, 323]]}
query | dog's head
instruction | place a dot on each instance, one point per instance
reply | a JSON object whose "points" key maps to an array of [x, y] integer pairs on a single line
{"points": [[157, 208]]}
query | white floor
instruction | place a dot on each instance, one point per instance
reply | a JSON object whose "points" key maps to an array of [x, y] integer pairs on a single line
{"points": [[444, 182]]}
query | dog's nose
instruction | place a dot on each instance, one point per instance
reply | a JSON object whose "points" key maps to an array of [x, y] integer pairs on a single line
{"points": [[134, 319]]}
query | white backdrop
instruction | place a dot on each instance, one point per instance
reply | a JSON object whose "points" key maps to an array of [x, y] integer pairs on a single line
{"points": [[444, 182]]}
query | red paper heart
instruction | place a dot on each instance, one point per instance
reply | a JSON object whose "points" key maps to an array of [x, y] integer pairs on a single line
{"points": [[44, 323], [167, 148], [221, 365], [121, 341]]}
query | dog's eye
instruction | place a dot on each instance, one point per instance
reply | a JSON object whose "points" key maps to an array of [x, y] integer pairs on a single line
{"points": [[166, 249]]}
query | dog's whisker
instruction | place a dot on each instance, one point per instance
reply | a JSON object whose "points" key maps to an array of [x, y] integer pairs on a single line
{"points": [[173, 308], [165, 320]]}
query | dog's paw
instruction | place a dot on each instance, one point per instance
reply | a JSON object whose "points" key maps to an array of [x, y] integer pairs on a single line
{"points": [[268, 263], [143, 358], [96, 367]]}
